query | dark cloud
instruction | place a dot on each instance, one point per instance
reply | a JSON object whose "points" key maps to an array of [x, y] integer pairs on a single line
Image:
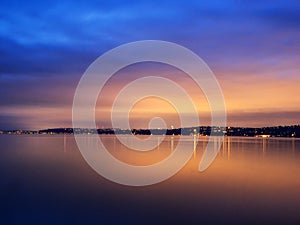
{"points": [[36, 91], [45, 46], [55, 37], [260, 119], [12, 122]]}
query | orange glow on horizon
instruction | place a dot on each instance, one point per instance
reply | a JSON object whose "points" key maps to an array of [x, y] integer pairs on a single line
{"points": [[252, 99]]}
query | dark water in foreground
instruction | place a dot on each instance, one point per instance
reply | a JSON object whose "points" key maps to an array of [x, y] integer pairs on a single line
{"points": [[44, 180]]}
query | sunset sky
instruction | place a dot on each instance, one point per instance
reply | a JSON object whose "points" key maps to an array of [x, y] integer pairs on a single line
{"points": [[253, 48]]}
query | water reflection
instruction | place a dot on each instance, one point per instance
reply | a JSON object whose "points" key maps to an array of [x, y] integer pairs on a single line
{"points": [[251, 177], [228, 147], [264, 146], [195, 145], [65, 143], [293, 146]]}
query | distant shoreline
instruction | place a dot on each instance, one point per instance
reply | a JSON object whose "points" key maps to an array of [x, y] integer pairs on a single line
{"points": [[276, 131]]}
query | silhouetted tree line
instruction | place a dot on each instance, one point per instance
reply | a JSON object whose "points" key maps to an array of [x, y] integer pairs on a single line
{"points": [[279, 131]]}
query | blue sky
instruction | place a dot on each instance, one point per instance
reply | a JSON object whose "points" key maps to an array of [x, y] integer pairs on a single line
{"points": [[47, 45]]}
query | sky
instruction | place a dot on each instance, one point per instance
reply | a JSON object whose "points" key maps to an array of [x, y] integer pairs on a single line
{"points": [[252, 47]]}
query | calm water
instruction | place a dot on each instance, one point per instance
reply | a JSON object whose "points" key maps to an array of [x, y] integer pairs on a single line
{"points": [[44, 180]]}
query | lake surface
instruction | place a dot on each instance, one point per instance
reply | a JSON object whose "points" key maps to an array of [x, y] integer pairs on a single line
{"points": [[45, 180]]}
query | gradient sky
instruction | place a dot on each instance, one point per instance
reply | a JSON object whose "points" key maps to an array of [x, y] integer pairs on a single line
{"points": [[253, 48]]}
